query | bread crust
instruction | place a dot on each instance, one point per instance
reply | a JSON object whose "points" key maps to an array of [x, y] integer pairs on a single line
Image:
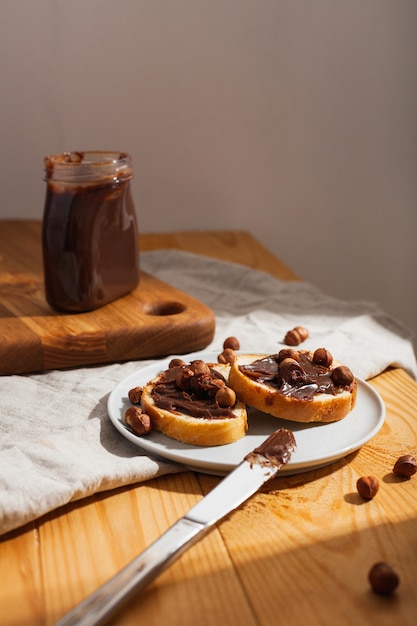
{"points": [[198, 431], [322, 407]]}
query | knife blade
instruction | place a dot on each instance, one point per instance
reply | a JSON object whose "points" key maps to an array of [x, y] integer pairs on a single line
{"points": [[257, 467]]}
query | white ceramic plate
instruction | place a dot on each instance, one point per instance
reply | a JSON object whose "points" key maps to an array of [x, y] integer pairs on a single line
{"points": [[317, 444]]}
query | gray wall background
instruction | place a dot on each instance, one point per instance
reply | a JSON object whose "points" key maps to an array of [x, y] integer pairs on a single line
{"points": [[295, 120]]}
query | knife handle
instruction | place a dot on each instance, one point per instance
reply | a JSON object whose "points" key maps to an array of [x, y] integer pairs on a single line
{"points": [[136, 575]]}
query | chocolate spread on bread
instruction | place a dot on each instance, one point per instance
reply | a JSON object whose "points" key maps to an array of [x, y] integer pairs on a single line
{"points": [[301, 379], [198, 400]]}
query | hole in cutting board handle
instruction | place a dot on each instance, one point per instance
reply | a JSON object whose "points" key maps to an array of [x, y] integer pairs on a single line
{"points": [[164, 308]]}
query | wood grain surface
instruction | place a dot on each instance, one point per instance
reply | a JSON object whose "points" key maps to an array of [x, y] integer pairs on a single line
{"points": [[298, 552], [154, 320]]}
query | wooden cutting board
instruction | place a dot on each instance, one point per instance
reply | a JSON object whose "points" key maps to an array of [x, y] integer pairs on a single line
{"points": [[154, 320]]}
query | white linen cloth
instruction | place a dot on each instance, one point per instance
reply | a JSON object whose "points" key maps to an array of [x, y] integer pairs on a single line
{"points": [[57, 443]]}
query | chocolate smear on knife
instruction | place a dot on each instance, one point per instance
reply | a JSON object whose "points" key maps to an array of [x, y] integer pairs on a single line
{"points": [[276, 449]]}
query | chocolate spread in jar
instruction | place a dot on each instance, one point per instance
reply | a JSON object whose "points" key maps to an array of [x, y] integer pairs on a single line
{"points": [[89, 237], [313, 379], [197, 402]]}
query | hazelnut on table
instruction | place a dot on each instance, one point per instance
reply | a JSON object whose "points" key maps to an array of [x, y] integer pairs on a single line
{"points": [[383, 579], [405, 466], [367, 487]]}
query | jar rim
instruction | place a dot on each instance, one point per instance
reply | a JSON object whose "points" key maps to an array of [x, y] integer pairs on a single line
{"points": [[88, 165]]}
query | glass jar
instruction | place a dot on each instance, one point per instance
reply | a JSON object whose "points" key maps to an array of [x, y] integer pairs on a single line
{"points": [[89, 230]]}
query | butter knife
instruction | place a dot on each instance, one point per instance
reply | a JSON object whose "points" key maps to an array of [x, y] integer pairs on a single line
{"points": [[256, 468]]}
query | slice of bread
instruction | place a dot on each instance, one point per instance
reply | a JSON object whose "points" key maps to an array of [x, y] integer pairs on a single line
{"points": [[190, 412], [311, 392]]}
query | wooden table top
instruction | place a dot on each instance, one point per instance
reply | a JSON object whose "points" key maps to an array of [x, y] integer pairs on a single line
{"points": [[298, 552]]}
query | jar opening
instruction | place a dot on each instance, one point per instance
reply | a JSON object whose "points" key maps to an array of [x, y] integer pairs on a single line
{"points": [[88, 166]]}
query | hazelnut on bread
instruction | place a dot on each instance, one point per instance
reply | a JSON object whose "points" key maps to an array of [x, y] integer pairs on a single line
{"points": [[301, 386], [193, 404]]}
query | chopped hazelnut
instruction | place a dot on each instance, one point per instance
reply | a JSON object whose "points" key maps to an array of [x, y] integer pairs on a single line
{"points": [[216, 384], [176, 363], [291, 371], [183, 376]]}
